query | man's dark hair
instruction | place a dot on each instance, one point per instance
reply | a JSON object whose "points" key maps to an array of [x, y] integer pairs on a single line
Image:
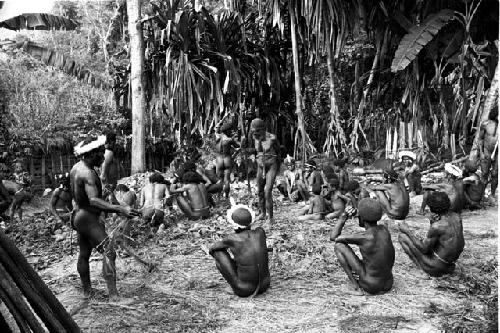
{"points": [[110, 137], [192, 177], [438, 202], [316, 189], [122, 188], [352, 185], [157, 178]]}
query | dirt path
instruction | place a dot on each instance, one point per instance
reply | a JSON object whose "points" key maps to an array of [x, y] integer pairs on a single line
{"points": [[306, 293]]}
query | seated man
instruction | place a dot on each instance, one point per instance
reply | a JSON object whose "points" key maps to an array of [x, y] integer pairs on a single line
{"points": [[61, 204], [310, 177], [454, 188], [437, 254], [192, 197], [343, 176], [374, 270], [248, 272], [152, 199], [473, 186], [412, 175], [393, 196], [316, 210], [337, 201], [292, 177]]}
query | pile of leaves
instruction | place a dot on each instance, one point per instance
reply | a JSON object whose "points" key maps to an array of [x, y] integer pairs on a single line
{"points": [[41, 238]]}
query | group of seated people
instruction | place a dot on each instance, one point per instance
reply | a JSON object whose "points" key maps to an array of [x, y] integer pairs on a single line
{"points": [[329, 194]]}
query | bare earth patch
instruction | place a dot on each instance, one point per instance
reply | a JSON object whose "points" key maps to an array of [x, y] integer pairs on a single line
{"points": [[307, 294]]}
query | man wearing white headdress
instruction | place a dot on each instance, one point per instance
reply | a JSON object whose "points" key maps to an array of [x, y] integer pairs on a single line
{"points": [[454, 188], [412, 175], [87, 190], [248, 272]]}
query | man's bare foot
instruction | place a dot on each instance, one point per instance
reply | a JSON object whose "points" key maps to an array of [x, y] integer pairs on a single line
{"points": [[114, 297], [422, 275], [355, 291]]}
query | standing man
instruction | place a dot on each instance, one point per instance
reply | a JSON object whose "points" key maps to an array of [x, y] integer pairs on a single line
{"points": [[267, 148], [61, 203], [436, 255], [86, 188], [488, 149], [224, 140], [110, 168]]}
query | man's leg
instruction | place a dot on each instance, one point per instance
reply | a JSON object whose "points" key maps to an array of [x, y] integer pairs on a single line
{"points": [[227, 267], [101, 241], [311, 217], [261, 183], [350, 263], [83, 264], [268, 190], [227, 181], [184, 206], [411, 250], [424, 202]]}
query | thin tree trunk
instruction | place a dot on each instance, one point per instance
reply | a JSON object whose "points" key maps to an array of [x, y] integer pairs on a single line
{"points": [[334, 128], [136, 75], [298, 91], [489, 103]]}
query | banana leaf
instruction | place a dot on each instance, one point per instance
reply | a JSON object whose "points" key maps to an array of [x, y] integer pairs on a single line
{"points": [[418, 37]]}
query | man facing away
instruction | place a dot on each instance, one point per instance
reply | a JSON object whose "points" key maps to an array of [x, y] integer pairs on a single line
{"points": [[372, 273], [248, 272]]}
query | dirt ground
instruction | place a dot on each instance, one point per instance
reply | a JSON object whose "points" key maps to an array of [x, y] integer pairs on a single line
{"points": [[308, 288]]}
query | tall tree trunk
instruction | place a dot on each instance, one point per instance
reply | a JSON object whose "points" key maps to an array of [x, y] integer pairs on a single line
{"points": [[136, 75], [489, 103], [335, 132], [298, 91]]}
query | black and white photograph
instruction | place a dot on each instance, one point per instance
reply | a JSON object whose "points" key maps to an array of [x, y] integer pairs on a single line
{"points": [[241, 166]]}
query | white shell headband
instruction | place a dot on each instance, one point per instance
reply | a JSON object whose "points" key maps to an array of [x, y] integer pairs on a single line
{"points": [[80, 148], [233, 208], [453, 169], [409, 154]]}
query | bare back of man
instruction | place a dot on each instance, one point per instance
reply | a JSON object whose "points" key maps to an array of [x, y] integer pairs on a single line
{"points": [[488, 149], [394, 199], [444, 243], [374, 270], [152, 202], [194, 201], [248, 273]]}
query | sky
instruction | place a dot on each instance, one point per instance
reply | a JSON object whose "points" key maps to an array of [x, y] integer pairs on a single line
{"points": [[15, 7]]}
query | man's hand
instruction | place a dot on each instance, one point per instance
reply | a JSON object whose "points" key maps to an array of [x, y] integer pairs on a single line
{"points": [[404, 228], [129, 212]]}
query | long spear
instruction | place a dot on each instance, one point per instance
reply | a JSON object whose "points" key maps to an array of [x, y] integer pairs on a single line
{"points": [[245, 134]]}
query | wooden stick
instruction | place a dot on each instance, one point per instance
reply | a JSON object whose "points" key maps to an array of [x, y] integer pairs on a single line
{"points": [[15, 296], [60, 312], [38, 304], [21, 323]]}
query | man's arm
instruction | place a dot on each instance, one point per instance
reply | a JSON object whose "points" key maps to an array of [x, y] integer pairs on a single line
{"points": [[179, 190], [337, 229], [382, 187], [435, 187], [96, 202], [422, 246], [108, 159], [356, 239], [221, 245], [474, 180]]}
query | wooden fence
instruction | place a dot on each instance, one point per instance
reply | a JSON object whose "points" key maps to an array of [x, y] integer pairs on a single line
{"points": [[42, 168]]}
